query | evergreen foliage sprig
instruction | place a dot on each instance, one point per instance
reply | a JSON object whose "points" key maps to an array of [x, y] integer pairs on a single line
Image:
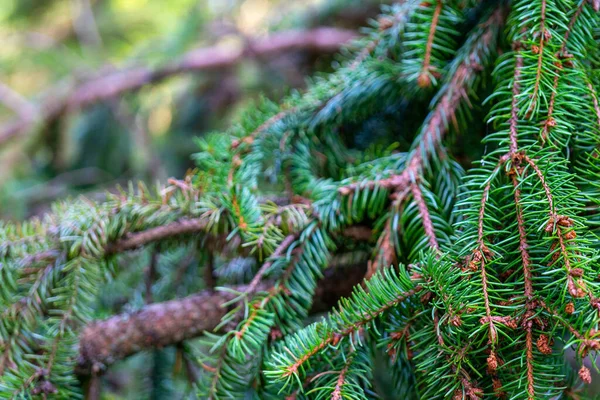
{"points": [[478, 281]]}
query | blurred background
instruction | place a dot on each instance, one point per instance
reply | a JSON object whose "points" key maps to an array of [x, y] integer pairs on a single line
{"points": [[89, 98]]}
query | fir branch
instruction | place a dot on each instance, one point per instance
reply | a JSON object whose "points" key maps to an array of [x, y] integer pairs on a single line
{"points": [[450, 98], [353, 315], [514, 109]]}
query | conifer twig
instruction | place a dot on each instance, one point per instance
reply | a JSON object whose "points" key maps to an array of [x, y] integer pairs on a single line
{"points": [[283, 246], [335, 337], [540, 50]]}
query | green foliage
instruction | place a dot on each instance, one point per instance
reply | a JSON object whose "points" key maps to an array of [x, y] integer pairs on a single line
{"points": [[482, 274]]}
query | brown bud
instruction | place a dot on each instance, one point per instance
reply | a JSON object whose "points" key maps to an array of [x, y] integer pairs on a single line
{"points": [[577, 272], [570, 235], [424, 81], [570, 308], [385, 23], [492, 363], [544, 344], [585, 374]]}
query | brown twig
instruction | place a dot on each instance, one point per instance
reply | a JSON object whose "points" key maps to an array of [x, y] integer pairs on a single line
{"points": [[538, 74], [341, 381], [514, 112], [550, 122], [336, 337], [526, 261], [283, 246], [386, 254], [424, 80], [425, 217], [135, 240]]}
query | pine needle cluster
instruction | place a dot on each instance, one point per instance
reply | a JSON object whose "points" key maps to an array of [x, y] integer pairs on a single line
{"points": [[482, 269]]}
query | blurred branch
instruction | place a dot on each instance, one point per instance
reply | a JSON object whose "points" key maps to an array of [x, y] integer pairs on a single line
{"points": [[162, 324], [209, 58], [15, 102]]}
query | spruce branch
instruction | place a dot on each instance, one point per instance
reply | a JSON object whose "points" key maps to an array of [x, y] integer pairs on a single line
{"points": [[474, 54], [353, 315]]}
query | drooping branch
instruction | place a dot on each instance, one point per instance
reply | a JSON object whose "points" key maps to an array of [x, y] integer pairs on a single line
{"points": [[204, 59]]}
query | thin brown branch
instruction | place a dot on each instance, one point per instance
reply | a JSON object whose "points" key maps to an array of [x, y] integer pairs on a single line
{"points": [[341, 381], [264, 126], [526, 261], [560, 222], [514, 113], [425, 217], [133, 241], [424, 79], [211, 58], [550, 122], [336, 337], [386, 251], [542, 180], [540, 50], [571, 25], [283, 246]]}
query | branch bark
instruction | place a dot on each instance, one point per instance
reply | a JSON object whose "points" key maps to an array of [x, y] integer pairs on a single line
{"points": [[138, 239], [162, 324], [211, 58]]}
